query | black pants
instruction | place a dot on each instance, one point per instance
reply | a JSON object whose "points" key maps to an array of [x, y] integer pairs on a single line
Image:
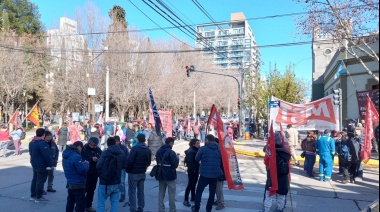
{"points": [[340, 162], [90, 189], [38, 181], [193, 179], [350, 170], [75, 197], [202, 183]]}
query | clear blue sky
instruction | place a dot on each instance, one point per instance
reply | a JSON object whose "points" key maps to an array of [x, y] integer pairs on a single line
{"points": [[267, 31]]}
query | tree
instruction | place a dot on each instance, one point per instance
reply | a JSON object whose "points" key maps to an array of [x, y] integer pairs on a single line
{"points": [[23, 16], [285, 86], [354, 24]]}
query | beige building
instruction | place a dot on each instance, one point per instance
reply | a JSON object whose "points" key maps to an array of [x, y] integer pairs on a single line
{"points": [[356, 79]]}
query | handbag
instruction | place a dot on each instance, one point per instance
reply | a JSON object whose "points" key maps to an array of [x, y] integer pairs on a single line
{"points": [[157, 169], [303, 154]]}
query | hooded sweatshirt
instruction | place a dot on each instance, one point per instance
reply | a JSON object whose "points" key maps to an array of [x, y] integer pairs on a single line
{"points": [[211, 160], [169, 161], [115, 151], [73, 166], [39, 152]]}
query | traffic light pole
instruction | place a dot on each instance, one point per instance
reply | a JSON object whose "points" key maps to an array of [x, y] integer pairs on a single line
{"points": [[239, 95]]}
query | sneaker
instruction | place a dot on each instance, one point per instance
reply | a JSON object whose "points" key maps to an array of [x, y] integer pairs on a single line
{"points": [[193, 209], [345, 181], [90, 209], [219, 207], [186, 203], [32, 199], [311, 175], [42, 199], [51, 190]]}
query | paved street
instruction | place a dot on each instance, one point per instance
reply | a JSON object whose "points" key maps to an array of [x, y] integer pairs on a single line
{"points": [[307, 194]]}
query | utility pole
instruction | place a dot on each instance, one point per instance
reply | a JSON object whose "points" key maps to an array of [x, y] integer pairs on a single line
{"points": [[107, 93], [192, 69], [194, 112]]}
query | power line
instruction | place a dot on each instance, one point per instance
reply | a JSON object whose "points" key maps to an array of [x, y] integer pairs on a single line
{"points": [[159, 25], [192, 25]]}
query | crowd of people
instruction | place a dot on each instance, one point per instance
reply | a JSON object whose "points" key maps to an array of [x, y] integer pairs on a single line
{"points": [[124, 158]]}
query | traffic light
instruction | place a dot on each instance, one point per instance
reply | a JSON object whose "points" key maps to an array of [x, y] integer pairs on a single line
{"points": [[189, 69], [238, 103], [337, 96]]}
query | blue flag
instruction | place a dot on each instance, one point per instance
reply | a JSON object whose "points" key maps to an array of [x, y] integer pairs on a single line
{"points": [[157, 120], [341, 70]]}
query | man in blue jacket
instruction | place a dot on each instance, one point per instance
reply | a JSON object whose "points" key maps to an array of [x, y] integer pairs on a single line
{"points": [[325, 149], [169, 163], [75, 172], [138, 161], [210, 170], [41, 161]]}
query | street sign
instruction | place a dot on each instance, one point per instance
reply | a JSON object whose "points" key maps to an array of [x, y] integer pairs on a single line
{"points": [[91, 91], [98, 108], [274, 104]]}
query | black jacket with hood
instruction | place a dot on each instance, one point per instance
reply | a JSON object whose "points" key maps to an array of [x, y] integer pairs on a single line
{"points": [[121, 163], [87, 154], [190, 162], [283, 180]]}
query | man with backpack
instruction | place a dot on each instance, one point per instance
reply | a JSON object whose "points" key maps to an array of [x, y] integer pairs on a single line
{"points": [[282, 162], [351, 157], [138, 161], [326, 150], [169, 161], [110, 165], [123, 173]]}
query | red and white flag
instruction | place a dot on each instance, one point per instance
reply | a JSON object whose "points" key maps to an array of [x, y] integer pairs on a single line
{"points": [[270, 161], [230, 162], [14, 119], [371, 117]]}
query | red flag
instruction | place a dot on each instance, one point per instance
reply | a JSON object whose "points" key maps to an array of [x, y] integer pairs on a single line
{"points": [[270, 161], [13, 119], [371, 117], [101, 118], [230, 162]]}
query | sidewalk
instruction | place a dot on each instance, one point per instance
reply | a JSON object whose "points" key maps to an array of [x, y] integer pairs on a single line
{"points": [[254, 148]]}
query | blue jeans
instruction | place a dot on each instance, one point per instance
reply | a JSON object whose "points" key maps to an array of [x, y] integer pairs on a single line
{"points": [[203, 136], [136, 181], [122, 183], [113, 192], [309, 163]]}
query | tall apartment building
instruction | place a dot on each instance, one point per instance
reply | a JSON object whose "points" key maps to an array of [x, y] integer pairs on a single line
{"points": [[66, 45], [231, 44]]}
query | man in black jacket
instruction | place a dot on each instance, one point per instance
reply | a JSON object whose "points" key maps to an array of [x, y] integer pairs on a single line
{"points": [[169, 161], [91, 153], [110, 164], [138, 161], [41, 161]]}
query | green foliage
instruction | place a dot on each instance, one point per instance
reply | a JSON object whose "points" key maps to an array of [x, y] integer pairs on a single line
{"points": [[285, 86], [23, 16], [117, 14]]}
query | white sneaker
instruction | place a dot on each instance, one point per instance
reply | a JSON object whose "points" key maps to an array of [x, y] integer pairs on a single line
{"points": [[32, 199]]}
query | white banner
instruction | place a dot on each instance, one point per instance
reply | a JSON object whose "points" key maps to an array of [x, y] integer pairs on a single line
{"points": [[318, 115]]}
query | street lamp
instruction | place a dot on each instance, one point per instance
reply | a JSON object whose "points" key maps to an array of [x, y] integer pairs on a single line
{"points": [[89, 82]]}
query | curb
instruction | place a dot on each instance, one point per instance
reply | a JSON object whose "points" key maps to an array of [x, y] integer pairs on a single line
{"points": [[371, 163]]}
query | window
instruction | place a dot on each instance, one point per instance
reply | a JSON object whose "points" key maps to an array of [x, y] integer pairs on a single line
{"points": [[210, 34], [247, 40]]}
